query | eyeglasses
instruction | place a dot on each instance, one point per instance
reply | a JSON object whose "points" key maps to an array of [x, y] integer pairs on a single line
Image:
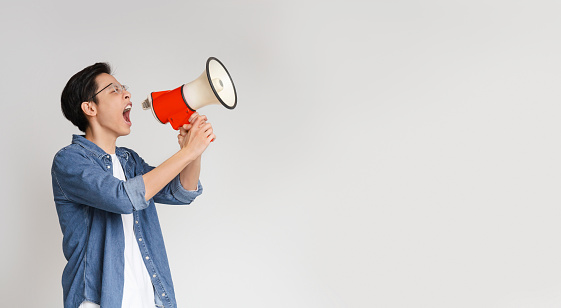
{"points": [[113, 88]]}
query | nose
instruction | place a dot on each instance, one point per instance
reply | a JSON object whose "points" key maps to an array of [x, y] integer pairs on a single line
{"points": [[127, 94]]}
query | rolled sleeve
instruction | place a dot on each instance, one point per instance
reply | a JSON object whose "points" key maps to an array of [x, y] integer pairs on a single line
{"points": [[137, 193], [173, 193], [182, 194]]}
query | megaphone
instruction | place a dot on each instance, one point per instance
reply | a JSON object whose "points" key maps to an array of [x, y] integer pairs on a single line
{"points": [[213, 87]]}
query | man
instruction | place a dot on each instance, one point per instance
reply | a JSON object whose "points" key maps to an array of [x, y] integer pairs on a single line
{"points": [[105, 196]]}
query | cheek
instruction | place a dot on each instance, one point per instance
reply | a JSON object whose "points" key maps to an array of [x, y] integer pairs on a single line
{"points": [[109, 114]]}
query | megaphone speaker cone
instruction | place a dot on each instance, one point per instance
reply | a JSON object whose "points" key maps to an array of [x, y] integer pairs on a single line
{"points": [[225, 91]]}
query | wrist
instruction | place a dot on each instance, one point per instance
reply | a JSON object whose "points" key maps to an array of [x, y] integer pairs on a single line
{"points": [[187, 154]]}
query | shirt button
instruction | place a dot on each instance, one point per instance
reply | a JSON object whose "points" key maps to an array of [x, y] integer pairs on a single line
{"points": [[154, 275], [108, 167], [163, 294], [147, 257], [136, 221], [140, 240]]}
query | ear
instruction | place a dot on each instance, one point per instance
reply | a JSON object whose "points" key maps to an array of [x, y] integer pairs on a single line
{"points": [[89, 108]]}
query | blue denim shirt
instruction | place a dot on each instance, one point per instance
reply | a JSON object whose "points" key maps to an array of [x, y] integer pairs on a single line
{"points": [[89, 202]]}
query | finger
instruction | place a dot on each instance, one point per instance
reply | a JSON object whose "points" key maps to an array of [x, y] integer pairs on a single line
{"points": [[206, 126], [198, 122], [185, 129], [193, 117], [209, 132]]}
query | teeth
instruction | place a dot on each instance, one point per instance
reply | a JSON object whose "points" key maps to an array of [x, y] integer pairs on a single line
{"points": [[128, 108]]}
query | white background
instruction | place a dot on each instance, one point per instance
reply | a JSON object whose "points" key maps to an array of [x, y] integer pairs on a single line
{"points": [[382, 154]]}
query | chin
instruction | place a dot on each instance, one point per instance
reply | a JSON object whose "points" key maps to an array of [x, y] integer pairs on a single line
{"points": [[125, 131]]}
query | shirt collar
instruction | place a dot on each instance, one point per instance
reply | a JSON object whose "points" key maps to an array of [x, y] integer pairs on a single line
{"points": [[95, 149]]}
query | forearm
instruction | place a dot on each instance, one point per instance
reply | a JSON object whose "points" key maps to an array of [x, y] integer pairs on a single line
{"points": [[189, 176], [160, 176]]}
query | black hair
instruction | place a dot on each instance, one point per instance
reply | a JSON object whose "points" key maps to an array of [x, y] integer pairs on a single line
{"points": [[80, 88]]}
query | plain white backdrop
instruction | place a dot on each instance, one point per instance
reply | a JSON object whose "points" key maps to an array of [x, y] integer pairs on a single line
{"points": [[382, 154]]}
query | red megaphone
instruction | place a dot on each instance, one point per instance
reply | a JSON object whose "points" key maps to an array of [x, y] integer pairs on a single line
{"points": [[214, 86]]}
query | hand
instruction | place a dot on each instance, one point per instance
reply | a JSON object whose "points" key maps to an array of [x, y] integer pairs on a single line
{"points": [[183, 130], [197, 135]]}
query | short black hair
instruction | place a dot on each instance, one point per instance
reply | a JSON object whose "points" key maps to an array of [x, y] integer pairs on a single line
{"points": [[80, 88]]}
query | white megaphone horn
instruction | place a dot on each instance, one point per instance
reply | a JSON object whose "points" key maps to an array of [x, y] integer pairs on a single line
{"points": [[214, 86]]}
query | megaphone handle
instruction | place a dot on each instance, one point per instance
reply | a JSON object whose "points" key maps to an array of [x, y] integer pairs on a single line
{"points": [[179, 119]]}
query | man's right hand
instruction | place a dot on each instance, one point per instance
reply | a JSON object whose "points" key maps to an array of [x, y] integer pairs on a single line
{"points": [[196, 137]]}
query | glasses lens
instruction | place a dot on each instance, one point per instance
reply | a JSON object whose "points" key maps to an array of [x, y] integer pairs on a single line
{"points": [[119, 89]]}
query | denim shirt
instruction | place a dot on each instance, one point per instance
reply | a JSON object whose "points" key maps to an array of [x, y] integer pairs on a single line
{"points": [[89, 202]]}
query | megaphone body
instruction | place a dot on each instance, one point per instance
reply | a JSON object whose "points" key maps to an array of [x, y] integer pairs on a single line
{"points": [[213, 87]]}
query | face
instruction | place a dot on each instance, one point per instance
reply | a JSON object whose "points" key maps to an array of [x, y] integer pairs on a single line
{"points": [[113, 109]]}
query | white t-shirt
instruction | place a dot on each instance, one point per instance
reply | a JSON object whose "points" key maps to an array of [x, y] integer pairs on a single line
{"points": [[138, 291]]}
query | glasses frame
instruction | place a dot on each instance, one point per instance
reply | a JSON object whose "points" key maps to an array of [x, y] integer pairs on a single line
{"points": [[118, 89]]}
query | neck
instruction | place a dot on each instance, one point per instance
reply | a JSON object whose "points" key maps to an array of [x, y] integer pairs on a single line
{"points": [[104, 141]]}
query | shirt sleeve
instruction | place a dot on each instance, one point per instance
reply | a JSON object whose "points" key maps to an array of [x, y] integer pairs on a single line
{"points": [[82, 180], [173, 193]]}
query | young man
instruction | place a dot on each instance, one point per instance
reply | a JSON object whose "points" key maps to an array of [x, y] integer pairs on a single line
{"points": [[105, 196]]}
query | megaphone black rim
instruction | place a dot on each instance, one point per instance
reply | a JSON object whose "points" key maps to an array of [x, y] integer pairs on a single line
{"points": [[212, 86]]}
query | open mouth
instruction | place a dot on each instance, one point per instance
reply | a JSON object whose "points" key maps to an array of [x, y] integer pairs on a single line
{"points": [[127, 114]]}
